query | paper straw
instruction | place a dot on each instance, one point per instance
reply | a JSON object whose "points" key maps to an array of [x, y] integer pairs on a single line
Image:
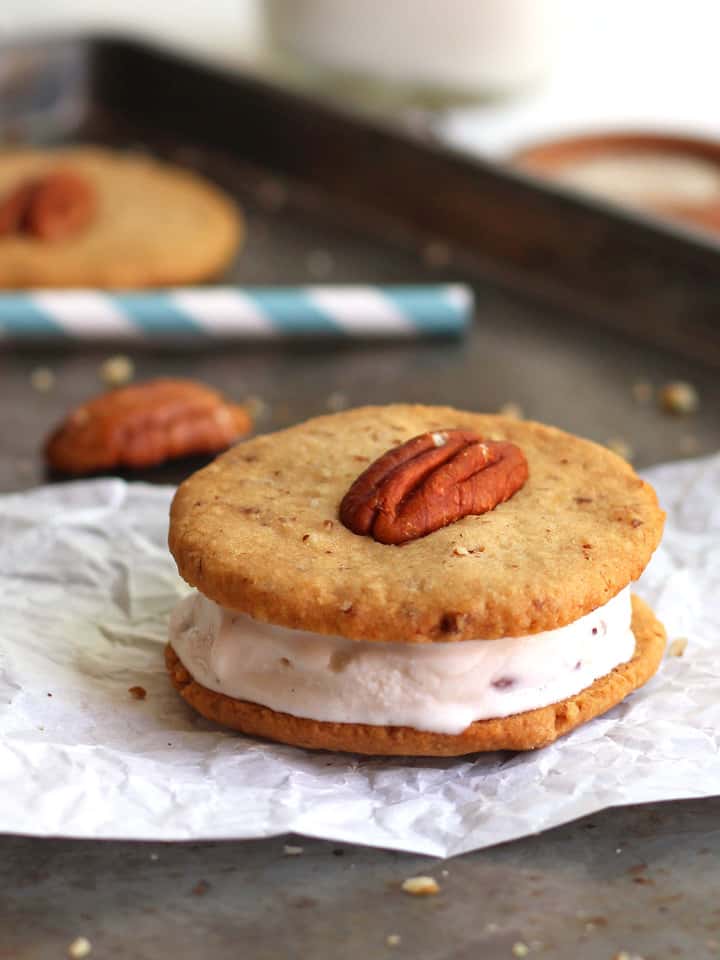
{"points": [[235, 313]]}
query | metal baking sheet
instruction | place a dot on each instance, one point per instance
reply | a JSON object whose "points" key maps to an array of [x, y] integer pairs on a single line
{"points": [[315, 179]]}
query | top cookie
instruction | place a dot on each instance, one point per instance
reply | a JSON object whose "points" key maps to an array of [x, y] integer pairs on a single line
{"points": [[258, 531], [154, 224]]}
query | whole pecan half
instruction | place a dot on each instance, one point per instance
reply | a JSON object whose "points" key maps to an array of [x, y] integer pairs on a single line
{"points": [[429, 482], [51, 207], [143, 425]]}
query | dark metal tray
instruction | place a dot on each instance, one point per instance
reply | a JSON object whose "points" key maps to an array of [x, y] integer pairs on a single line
{"points": [[575, 302]]}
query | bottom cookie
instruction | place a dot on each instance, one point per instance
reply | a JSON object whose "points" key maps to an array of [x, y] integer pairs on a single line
{"points": [[522, 731]]}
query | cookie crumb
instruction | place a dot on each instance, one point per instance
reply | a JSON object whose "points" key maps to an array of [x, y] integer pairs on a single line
{"points": [[290, 851], [437, 254], [272, 194], [678, 647], [117, 371], [320, 264], [679, 397], [621, 447], [642, 391], [624, 955], [137, 693], [79, 948], [24, 468], [336, 401], [689, 444], [461, 551], [444, 873], [512, 410], [421, 886], [255, 406], [154, 856], [520, 949], [42, 379], [393, 939]]}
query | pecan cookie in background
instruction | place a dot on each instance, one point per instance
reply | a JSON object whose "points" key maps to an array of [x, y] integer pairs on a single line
{"points": [[89, 217], [413, 580], [143, 425]]}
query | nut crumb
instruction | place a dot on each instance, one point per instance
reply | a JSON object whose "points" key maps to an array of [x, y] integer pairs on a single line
{"points": [[42, 379], [679, 397], [290, 851], [461, 551], [421, 886], [138, 693], [393, 940], [439, 439], [79, 948], [678, 647], [642, 391], [520, 949], [621, 447], [346, 606], [512, 410], [117, 371]]}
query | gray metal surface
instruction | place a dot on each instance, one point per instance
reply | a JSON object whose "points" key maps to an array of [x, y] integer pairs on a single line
{"points": [[643, 880]]}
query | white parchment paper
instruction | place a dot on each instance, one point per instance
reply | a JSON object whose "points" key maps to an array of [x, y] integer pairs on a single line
{"points": [[86, 584]]}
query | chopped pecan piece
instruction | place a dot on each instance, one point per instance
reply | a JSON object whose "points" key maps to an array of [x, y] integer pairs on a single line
{"points": [[143, 425], [429, 482]]}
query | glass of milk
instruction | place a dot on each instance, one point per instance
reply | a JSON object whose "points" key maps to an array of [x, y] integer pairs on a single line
{"points": [[474, 48]]}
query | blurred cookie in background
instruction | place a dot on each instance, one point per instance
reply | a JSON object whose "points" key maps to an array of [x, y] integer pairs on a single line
{"points": [[89, 217]]}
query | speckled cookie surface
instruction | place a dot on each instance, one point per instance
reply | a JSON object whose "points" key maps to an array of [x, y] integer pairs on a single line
{"points": [[522, 731], [155, 224], [258, 531]]}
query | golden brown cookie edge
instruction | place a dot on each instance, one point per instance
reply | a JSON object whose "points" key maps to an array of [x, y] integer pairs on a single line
{"points": [[522, 731]]}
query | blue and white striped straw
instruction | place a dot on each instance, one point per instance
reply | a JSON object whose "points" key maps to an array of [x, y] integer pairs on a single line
{"points": [[208, 313]]}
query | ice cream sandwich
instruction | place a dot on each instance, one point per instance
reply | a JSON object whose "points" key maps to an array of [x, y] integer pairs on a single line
{"points": [[413, 580]]}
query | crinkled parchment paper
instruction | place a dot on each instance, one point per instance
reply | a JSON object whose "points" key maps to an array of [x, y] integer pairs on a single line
{"points": [[86, 584]]}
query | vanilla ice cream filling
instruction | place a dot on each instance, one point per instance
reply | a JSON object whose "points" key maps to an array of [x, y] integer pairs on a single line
{"points": [[439, 687]]}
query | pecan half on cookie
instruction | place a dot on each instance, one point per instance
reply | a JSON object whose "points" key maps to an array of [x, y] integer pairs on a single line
{"points": [[52, 207], [143, 425], [431, 481]]}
